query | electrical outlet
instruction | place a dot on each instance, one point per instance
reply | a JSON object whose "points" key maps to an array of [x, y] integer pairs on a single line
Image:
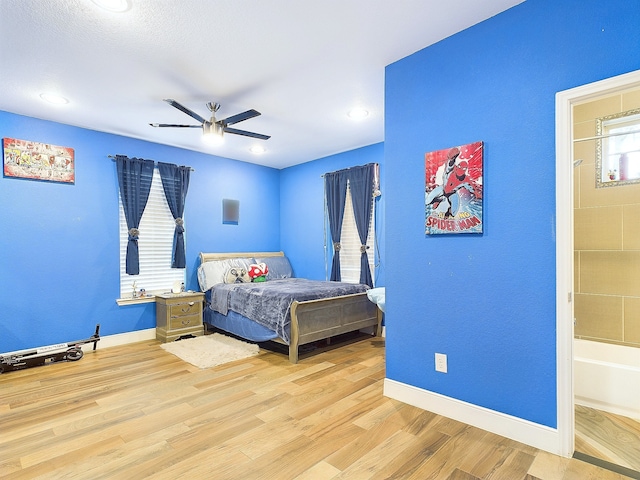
{"points": [[441, 362]]}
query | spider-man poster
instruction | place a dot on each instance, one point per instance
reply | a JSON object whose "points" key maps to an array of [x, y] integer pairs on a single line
{"points": [[453, 193]]}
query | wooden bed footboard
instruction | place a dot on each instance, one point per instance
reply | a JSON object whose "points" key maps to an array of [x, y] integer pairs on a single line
{"points": [[319, 319]]}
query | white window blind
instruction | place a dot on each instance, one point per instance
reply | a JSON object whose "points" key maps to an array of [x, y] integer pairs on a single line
{"points": [[155, 245], [350, 244]]}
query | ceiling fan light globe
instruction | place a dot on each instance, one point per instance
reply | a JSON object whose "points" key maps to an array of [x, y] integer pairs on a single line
{"points": [[212, 133], [212, 139]]}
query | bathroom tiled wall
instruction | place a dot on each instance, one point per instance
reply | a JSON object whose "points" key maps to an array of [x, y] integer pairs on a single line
{"points": [[606, 237]]}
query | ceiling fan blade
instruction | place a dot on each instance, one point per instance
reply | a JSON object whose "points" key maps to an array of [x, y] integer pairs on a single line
{"points": [[239, 117], [184, 109], [235, 131], [174, 125]]}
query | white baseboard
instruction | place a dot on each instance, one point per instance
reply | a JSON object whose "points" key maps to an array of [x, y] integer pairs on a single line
{"points": [[524, 431], [122, 339]]}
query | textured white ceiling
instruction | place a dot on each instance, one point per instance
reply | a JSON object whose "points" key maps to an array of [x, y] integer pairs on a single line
{"points": [[302, 63]]}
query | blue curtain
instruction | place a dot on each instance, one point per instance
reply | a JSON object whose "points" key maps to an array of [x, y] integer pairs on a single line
{"points": [[361, 186], [175, 182], [134, 180], [335, 185]]}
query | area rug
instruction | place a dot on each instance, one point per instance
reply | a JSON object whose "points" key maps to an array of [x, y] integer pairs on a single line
{"points": [[210, 350]]}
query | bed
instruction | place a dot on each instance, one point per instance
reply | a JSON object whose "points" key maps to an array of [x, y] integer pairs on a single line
{"points": [[283, 308]]}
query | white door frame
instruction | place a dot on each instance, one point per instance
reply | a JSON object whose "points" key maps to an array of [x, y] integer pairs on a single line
{"points": [[565, 101]]}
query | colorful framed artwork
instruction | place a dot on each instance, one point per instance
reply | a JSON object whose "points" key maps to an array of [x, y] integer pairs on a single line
{"points": [[38, 161], [453, 190]]}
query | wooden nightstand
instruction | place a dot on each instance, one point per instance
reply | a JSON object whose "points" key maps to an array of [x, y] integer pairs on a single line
{"points": [[178, 314]]}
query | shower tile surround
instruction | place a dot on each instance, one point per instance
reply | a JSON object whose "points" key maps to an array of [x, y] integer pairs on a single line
{"points": [[606, 237]]}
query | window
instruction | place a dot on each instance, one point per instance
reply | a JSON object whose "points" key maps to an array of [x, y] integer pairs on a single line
{"points": [[340, 187], [618, 151], [350, 244], [154, 244]]}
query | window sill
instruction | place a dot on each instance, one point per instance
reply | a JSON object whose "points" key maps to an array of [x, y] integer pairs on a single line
{"points": [[134, 301]]}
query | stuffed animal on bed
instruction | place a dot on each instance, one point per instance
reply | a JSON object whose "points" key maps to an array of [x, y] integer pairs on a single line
{"points": [[258, 272], [237, 275]]}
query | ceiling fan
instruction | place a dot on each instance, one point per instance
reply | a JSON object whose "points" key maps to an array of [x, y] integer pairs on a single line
{"points": [[213, 128]]}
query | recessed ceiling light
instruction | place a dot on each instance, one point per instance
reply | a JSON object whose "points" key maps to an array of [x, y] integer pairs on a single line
{"points": [[358, 113], [54, 98], [114, 5], [257, 149]]}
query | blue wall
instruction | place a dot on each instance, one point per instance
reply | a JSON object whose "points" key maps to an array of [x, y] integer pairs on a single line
{"points": [[59, 251], [59, 270], [302, 210], [488, 301]]}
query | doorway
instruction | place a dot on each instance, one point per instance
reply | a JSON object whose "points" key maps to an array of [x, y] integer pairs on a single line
{"points": [[566, 104]]}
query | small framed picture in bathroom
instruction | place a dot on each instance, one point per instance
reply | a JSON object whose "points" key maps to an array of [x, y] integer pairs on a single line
{"points": [[453, 190]]}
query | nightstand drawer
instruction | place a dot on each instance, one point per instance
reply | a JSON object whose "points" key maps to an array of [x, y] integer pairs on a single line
{"points": [[185, 321], [191, 308]]}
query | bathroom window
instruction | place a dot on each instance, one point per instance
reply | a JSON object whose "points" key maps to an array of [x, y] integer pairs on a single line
{"points": [[618, 151]]}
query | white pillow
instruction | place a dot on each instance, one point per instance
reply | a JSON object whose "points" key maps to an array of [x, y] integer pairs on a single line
{"points": [[213, 272]]}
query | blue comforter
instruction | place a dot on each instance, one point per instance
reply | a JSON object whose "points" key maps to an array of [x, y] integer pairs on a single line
{"points": [[268, 303]]}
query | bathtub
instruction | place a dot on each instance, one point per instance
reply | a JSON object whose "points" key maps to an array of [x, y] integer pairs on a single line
{"points": [[607, 377]]}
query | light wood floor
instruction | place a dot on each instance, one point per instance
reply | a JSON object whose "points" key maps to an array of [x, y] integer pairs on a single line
{"points": [[609, 437], [136, 411]]}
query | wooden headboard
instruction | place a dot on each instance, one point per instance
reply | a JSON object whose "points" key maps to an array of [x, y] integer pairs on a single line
{"points": [[208, 257]]}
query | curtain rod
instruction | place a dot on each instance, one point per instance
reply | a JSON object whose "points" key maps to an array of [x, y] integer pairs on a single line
{"points": [[322, 176], [114, 159]]}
